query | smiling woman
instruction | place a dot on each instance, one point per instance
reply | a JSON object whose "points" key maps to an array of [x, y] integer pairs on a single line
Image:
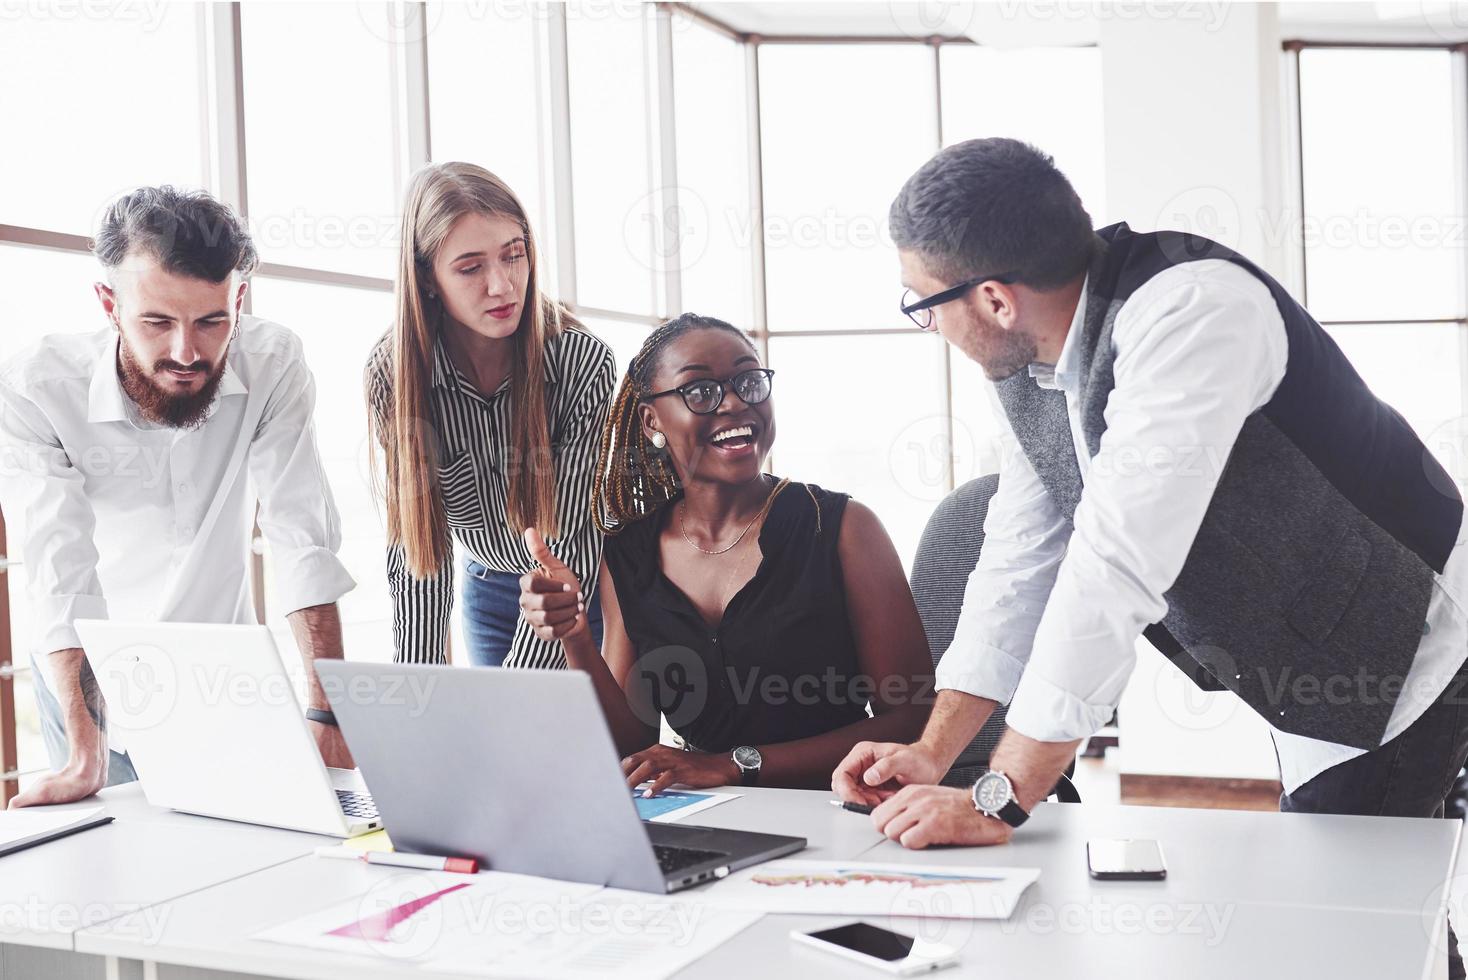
{"points": [[769, 621]]}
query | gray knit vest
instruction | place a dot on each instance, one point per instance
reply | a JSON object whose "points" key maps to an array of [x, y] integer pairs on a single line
{"points": [[1306, 588]]}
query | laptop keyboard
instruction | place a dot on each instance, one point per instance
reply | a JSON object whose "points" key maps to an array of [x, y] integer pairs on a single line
{"points": [[672, 859], [358, 805]]}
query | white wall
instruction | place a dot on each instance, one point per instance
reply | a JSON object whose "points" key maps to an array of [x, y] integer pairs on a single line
{"points": [[1193, 143]]}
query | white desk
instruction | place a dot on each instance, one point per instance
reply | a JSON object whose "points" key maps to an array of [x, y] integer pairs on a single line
{"points": [[1248, 895], [144, 858]]}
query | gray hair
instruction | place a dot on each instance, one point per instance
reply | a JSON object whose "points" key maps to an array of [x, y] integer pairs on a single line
{"points": [[187, 232], [991, 207]]}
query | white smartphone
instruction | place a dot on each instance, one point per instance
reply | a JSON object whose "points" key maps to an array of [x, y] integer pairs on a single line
{"points": [[891, 952], [1125, 860]]}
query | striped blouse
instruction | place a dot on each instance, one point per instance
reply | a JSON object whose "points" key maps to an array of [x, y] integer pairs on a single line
{"points": [[473, 432]]}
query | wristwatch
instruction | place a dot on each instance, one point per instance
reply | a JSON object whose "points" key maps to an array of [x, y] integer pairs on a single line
{"points": [[748, 759], [993, 796]]}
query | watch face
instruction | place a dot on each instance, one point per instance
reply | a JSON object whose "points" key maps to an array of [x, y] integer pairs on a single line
{"points": [[991, 792], [747, 757]]}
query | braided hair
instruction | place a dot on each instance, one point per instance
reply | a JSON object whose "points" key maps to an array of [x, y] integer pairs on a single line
{"points": [[634, 479]]}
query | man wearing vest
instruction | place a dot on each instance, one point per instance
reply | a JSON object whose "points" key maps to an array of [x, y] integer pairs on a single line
{"points": [[1194, 460]]}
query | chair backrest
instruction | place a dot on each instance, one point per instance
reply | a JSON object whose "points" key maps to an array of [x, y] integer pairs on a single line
{"points": [[946, 554]]}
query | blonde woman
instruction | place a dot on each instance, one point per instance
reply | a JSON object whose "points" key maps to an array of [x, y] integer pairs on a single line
{"points": [[487, 401]]}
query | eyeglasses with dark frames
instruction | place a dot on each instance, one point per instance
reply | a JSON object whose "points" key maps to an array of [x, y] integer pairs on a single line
{"points": [[921, 311], [703, 396]]}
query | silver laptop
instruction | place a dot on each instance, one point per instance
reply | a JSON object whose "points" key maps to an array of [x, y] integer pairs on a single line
{"points": [[517, 769], [212, 724]]}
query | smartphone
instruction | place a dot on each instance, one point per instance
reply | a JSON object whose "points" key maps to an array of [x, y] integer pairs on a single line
{"points": [[1125, 860], [891, 952]]}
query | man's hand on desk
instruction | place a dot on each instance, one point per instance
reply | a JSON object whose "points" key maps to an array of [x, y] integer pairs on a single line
{"points": [[876, 771], [332, 745], [921, 816], [66, 786]]}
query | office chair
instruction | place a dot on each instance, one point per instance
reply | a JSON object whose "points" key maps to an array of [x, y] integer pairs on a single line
{"points": [[946, 554]]}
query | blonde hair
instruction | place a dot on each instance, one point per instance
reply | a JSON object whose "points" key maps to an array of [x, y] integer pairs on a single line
{"points": [[403, 427]]}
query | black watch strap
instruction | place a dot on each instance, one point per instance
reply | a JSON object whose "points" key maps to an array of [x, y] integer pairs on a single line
{"points": [[1013, 814], [322, 716], [749, 777]]}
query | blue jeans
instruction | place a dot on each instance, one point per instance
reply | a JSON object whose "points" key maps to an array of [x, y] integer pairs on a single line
{"points": [[491, 604], [1410, 776], [53, 733]]}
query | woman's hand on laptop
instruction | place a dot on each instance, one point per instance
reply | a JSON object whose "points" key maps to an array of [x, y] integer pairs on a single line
{"points": [[551, 598], [665, 766]]}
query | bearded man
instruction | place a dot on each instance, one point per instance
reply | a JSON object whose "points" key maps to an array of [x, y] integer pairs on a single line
{"points": [[138, 458]]}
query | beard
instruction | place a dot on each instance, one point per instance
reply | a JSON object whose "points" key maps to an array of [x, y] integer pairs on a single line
{"points": [[1001, 353], [156, 404]]}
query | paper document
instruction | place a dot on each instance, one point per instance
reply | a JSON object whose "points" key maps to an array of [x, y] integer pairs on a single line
{"points": [[500, 924], [672, 805], [22, 828], [864, 888]]}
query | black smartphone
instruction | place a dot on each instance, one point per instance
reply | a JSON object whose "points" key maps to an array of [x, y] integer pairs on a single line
{"points": [[891, 952], [1125, 860]]}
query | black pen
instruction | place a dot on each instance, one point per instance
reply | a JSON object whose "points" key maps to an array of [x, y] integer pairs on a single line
{"points": [[853, 807]]}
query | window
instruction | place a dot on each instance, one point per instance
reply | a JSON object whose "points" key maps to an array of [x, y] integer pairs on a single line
{"points": [[92, 123], [486, 100], [835, 155], [319, 137], [1415, 368], [615, 214], [713, 222], [1050, 97], [1380, 181], [58, 299], [625, 339], [1382, 228], [330, 94], [338, 327], [854, 415]]}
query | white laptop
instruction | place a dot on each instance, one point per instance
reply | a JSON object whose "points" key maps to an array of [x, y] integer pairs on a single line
{"points": [[213, 726]]}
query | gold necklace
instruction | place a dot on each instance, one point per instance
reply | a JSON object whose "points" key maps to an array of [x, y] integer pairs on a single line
{"points": [[683, 530]]}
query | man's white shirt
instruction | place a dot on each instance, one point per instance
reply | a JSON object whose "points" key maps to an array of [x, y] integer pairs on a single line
{"points": [[129, 520], [1050, 614]]}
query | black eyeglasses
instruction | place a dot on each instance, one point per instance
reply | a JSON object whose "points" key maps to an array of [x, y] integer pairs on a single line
{"points": [[921, 311], [703, 396]]}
